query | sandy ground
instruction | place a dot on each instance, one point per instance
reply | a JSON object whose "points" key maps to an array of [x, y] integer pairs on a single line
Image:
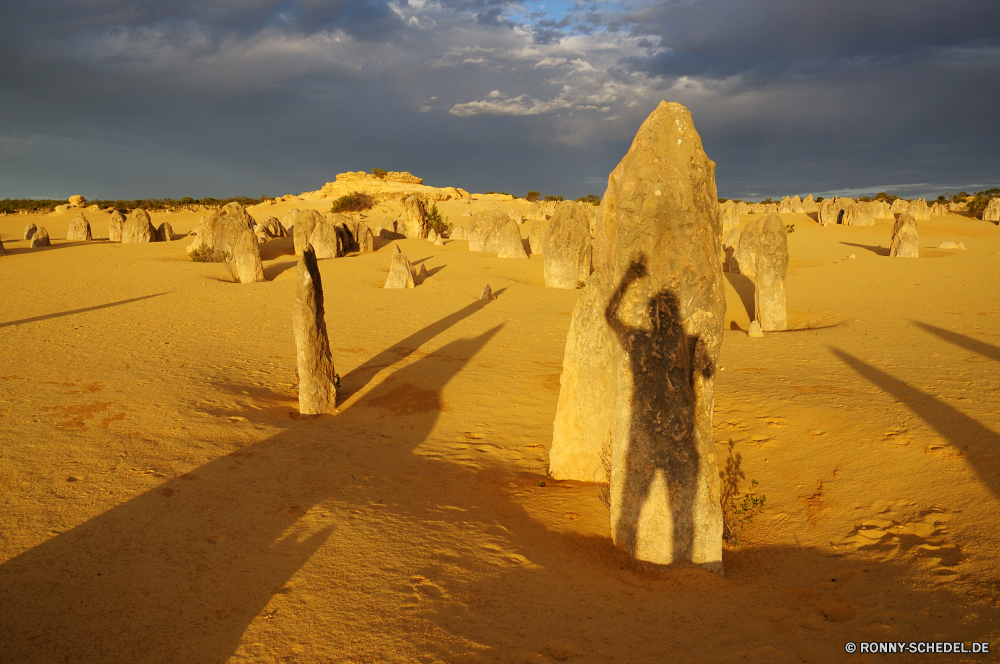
{"points": [[161, 504]]}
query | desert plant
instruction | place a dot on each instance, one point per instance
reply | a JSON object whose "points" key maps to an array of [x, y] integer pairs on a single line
{"points": [[353, 202], [767, 201], [819, 199], [435, 220], [593, 199], [532, 196], [736, 516], [790, 228], [229, 261], [380, 173], [550, 197]]}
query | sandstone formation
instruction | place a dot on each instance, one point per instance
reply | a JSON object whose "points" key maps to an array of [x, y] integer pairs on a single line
{"points": [[769, 280], [414, 218], [809, 205], [438, 242], [288, 221], [484, 231], [77, 201], [304, 224], [730, 217], [116, 225], [325, 240], [919, 210], [459, 233], [516, 216], [487, 293], [536, 236], [138, 228], [79, 229], [755, 332], [938, 210], [269, 229], [165, 232], [29, 231], [431, 235], [992, 211], [40, 238], [317, 380], [396, 185], [366, 239], [785, 207], [905, 240], [899, 206], [641, 355], [400, 271], [744, 260], [962, 207], [510, 244], [829, 213], [856, 214], [729, 250], [219, 232], [246, 258], [567, 247]]}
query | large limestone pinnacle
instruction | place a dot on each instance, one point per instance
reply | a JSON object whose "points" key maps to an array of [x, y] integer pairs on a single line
{"points": [[636, 397], [317, 382]]}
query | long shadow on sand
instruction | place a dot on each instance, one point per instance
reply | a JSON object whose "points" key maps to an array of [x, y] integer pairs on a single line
{"points": [[72, 312], [981, 444], [881, 251], [179, 572], [962, 341], [745, 289]]}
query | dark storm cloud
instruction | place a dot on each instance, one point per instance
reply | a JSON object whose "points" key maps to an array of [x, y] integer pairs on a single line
{"points": [[178, 97]]}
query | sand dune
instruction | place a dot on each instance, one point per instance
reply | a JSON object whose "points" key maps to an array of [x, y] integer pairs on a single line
{"points": [[161, 504]]}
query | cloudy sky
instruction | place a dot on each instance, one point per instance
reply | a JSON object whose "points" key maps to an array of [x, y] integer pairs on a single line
{"points": [[137, 98]]}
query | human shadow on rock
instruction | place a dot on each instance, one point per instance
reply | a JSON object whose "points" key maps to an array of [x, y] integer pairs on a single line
{"points": [[661, 426], [980, 444], [179, 572]]}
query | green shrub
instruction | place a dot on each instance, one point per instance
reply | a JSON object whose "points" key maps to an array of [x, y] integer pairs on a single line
{"points": [[553, 198], [723, 200], [766, 201], [532, 196], [435, 220], [736, 516], [819, 199], [353, 202], [593, 199], [379, 173]]}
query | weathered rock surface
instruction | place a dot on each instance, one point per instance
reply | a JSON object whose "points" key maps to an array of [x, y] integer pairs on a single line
{"points": [[304, 224], [77, 201], [919, 210], [567, 247], [431, 235], [769, 281], [487, 293], [400, 271], [317, 380], [905, 239], [730, 217], [116, 225], [992, 211], [438, 242], [755, 332], [326, 241], [79, 229], [829, 213], [459, 233], [510, 244], [856, 214], [165, 232], [744, 260], [220, 230], [536, 236], [484, 231], [29, 231], [138, 228], [40, 238], [414, 218], [809, 205], [899, 206], [366, 239], [638, 373], [269, 229], [246, 258]]}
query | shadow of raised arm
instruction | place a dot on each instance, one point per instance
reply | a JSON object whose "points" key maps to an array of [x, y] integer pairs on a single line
{"points": [[637, 270]]}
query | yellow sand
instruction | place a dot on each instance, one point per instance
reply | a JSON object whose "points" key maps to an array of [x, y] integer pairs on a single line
{"points": [[161, 504]]}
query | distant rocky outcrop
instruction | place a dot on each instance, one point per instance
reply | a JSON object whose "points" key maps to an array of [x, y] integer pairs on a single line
{"points": [[730, 217], [393, 186], [77, 201], [79, 229], [856, 214], [919, 210], [29, 231], [536, 236], [414, 218], [905, 239], [992, 211], [459, 233], [165, 232]]}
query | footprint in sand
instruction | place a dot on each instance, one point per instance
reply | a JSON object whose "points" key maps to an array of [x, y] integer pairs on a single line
{"points": [[923, 534]]}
